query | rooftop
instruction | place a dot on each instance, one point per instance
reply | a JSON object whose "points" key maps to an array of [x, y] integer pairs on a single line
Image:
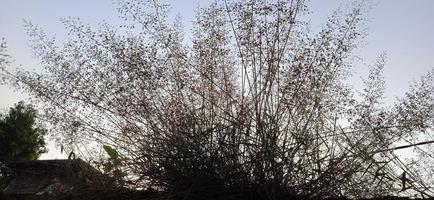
{"points": [[35, 177]]}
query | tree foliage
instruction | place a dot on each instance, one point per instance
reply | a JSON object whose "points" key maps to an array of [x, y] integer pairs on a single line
{"points": [[256, 103], [20, 135]]}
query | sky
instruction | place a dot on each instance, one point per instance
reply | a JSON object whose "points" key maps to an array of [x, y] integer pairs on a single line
{"points": [[404, 29]]}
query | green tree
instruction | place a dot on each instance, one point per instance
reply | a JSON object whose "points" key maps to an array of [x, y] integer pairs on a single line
{"points": [[21, 137]]}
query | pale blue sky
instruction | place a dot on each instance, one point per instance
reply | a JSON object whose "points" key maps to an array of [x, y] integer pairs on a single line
{"points": [[402, 28]]}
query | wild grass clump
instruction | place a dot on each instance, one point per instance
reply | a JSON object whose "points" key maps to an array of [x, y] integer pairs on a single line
{"points": [[256, 105]]}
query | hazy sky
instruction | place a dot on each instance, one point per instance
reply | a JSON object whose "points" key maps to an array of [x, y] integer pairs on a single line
{"points": [[402, 28]]}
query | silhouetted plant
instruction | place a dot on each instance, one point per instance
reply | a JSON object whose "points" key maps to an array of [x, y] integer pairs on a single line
{"points": [[3, 55], [256, 104]]}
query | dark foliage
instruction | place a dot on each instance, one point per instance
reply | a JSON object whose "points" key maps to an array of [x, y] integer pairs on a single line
{"points": [[21, 137]]}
